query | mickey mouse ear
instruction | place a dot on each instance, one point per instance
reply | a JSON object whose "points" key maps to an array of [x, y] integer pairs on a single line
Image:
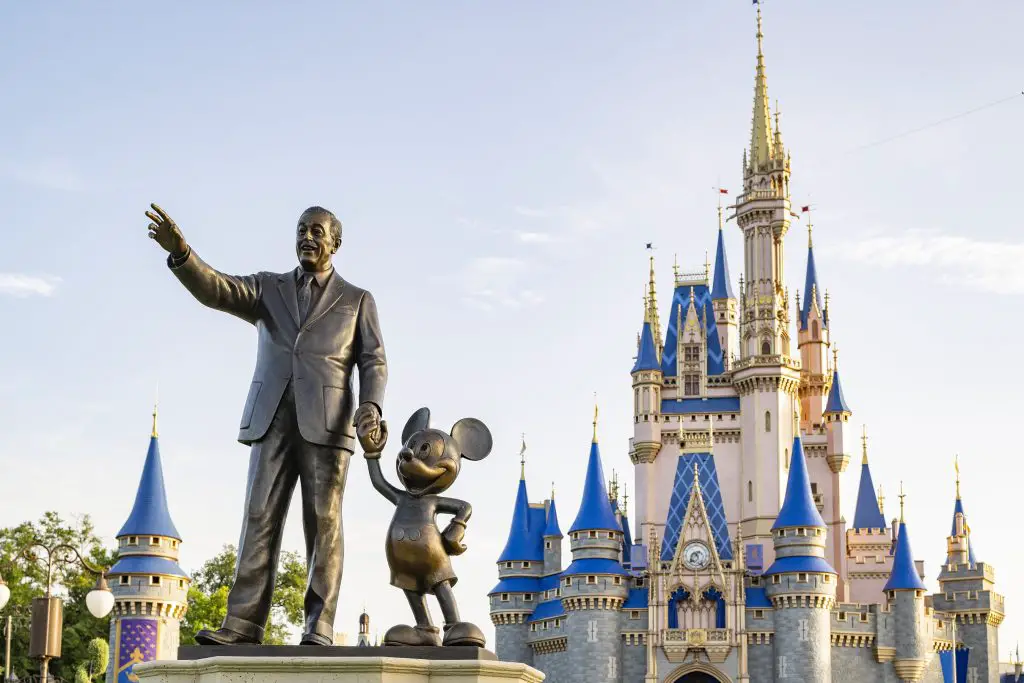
{"points": [[419, 421], [473, 438]]}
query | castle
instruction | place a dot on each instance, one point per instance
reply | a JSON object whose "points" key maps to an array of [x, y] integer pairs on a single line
{"points": [[742, 568]]}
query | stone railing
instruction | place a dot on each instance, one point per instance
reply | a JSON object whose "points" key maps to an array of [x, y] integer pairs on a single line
{"points": [[767, 361]]}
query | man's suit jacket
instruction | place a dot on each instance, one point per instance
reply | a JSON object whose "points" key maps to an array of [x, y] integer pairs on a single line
{"points": [[340, 331]]}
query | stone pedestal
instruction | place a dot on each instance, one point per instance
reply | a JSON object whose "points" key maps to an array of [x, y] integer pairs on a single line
{"points": [[285, 664]]}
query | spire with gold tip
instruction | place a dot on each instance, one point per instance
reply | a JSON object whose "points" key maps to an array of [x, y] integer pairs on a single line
{"points": [[868, 513], [761, 138], [958, 508], [595, 508], [648, 356], [904, 574]]}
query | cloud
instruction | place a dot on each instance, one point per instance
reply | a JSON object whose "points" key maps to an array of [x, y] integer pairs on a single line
{"points": [[976, 264], [54, 174], [20, 285], [492, 282]]}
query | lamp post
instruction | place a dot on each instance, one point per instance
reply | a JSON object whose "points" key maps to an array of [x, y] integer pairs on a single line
{"points": [[48, 612]]}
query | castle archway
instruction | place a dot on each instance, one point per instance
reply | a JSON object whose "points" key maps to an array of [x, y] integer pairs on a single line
{"points": [[697, 672], [697, 677]]}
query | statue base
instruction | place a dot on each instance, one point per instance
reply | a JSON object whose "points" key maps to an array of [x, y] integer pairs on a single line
{"points": [[299, 664]]}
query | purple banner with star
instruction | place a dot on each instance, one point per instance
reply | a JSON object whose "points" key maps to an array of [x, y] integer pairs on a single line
{"points": [[136, 643]]}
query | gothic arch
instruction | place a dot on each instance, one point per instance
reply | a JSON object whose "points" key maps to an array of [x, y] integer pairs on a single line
{"points": [[697, 672]]}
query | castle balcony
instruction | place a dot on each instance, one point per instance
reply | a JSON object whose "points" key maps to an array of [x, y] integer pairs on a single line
{"points": [[767, 361], [714, 643]]}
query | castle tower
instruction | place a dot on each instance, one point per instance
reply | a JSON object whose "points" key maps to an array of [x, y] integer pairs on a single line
{"points": [[800, 583], [364, 630], [766, 377], [552, 539], [869, 556], [520, 566], [906, 592], [724, 301], [595, 585], [647, 384], [966, 594], [825, 475], [813, 339], [150, 589]]}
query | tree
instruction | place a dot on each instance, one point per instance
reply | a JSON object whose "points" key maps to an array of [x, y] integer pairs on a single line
{"points": [[27, 580], [96, 667], [208, 596]]}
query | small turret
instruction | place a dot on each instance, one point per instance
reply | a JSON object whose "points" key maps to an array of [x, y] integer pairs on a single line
{"points": [[552, 538], [801, 583], [648, 377], [813, 339], [868, 514], [364, 630], [837, 415], [868, 546], [723, 300], [147, 573], [906, 592]]}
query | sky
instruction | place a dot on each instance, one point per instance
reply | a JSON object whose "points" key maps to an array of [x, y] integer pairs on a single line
{"points": [[498, 168]]}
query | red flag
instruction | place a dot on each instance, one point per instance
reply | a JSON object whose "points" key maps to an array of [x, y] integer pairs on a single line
{"points": [[806, 208], [722, 190]]}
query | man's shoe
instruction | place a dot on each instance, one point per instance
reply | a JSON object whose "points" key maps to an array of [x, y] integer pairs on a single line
{"points": [[412, 636], [315, 639], [223, 636]]}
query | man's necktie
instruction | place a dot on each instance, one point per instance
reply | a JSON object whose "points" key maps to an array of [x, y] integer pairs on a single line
{"points": [[305, 295]]}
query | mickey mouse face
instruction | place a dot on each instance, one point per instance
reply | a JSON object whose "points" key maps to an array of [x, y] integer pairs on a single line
{"points": [[430, 460], [427, 464]]}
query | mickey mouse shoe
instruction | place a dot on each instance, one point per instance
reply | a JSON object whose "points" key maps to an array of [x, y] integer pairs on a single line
{"points": [[463, 633]]}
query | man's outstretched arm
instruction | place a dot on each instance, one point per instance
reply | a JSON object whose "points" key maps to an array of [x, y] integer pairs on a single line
{"points": [[373, 365], [233, 294]]}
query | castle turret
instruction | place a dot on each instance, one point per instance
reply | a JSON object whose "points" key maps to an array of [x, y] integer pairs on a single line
{"points": [[906, 592], [595, 585], [364, 630], [813, 339], [552, 539], [150, 589], [801, 584], [647, 385], [724, 301], [868, 546], [520, 567], [966, 593], [825, 475]]}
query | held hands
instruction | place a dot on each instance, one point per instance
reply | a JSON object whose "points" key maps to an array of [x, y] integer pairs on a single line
{"points": [[165, 232], [371, 430], [452, 537]]}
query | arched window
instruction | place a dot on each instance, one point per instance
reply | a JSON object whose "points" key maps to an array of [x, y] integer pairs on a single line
{"points": [[750, 491], [766, 348], [787, 458], [767, 421], [814, 330]]}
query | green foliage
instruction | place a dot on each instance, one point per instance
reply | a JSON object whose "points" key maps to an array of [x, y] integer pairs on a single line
{"points": [[24, 571], [96, 666], [208, 596]]}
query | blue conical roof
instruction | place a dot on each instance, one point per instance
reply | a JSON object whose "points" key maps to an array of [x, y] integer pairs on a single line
{"points": [[595, 509], [798, 508], [150, 516], [959, 507], [721, 287], [810, 288], [521, 544], [904, 574], [836, 403], [647, 355], [627, 537], [551, 528], [867, 514]]}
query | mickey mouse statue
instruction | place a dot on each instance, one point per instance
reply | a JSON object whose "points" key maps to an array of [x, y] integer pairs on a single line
{"points": [[417, 550]]}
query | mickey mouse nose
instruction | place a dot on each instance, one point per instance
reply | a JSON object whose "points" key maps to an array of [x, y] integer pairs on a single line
{"points": [[405, 454]]}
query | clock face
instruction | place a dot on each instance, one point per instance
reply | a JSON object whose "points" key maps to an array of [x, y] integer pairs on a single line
{"points": [[696, 555]]}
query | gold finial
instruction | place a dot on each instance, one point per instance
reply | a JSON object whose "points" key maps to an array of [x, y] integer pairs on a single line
{"points": [[761, 142], [711, 433], [901, 497], [595, 417], [956, 466], [881, 500], [675, 265], [552, 490], [154, 434], [810, 230], [522, 457], [625, 500], [864, 441], [707, 267], [835, 356]]}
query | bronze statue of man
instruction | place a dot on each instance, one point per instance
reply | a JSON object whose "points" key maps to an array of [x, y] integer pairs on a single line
{"points": [[299, 418]]}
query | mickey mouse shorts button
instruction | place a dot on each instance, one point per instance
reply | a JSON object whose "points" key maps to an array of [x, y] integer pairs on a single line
{"points": [[414, 534], [398, 534]]}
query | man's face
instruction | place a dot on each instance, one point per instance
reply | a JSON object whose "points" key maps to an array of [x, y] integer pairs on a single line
{"points": [[315, 241]]}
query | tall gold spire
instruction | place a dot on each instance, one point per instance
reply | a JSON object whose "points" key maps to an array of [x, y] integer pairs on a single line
{"points": [[956, 466], [595, 417], [154, 434], [901, 497], [864, 443], [651, 314], [761, 134]]}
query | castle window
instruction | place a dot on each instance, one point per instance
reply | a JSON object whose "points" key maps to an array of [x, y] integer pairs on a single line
{"points": [[842, 616], [533, 627], [801, 532], [814, 330], [611, 534], [508, 565], [593, 534], [691, 385], [591, 579], [155, 540], [750, 491], [527, 598], [639, 583], [133, 540], [802, 578], [766, 348], [817, 532], [558, 623], [526, 565], [568, 581], [558, 591], [125, 579], [545, 626], [154, 580], [776, 579], [617, 580], [755, 580], [174, 544], [634, 614], [759, 614], [547, 545], [827, 578], [181, 583], [864, 618], [504, 597], [767, 421], [691, 353]]}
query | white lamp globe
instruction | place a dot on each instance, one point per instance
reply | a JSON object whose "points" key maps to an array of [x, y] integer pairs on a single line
{"points": [[100, 600], [5, 594]]}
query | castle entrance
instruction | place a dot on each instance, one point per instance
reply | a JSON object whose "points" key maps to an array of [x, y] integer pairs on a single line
{"points": [[697, 677]]}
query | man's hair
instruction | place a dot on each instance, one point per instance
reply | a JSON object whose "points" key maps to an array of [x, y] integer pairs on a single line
{"points": [[335, 225]]}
